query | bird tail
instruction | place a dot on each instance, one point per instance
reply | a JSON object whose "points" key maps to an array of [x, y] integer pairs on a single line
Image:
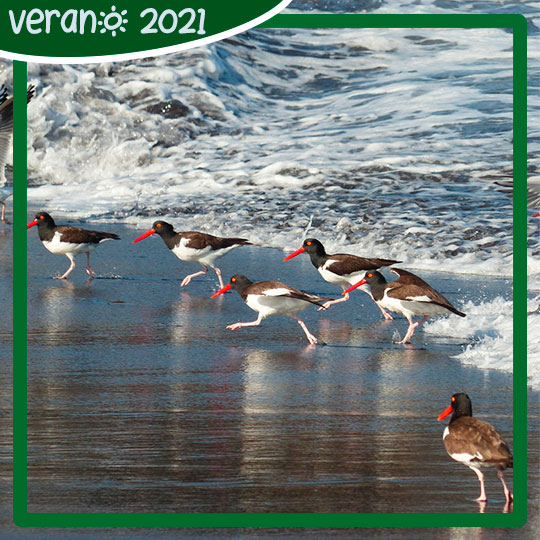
{"points": [[108, 236], [457, 312], [228, 242], [317, 300]]}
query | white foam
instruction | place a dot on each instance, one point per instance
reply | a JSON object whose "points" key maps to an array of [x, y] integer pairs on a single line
{"points": [[388, 141], [491, 336]]}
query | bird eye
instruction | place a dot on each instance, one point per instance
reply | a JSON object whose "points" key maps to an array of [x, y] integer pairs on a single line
{"points": [[453, 399], [233, 279], [158, 225], [308, 243], [370, 275], [41, 217]]}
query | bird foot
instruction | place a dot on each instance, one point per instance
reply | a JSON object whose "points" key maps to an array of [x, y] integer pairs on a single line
{"points": [[185, 281], [90, 272], [6, 221], [234, 326]]}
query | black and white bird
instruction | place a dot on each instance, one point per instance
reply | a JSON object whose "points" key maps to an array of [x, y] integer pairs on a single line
{"points": [[341, 268], [68, 241], [271, 298], [533, 191], [6, 130], [409, 295], [475, 443], [194, 246]]}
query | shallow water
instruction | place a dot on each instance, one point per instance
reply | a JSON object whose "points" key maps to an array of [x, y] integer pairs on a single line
{"points": [[141, 400]]}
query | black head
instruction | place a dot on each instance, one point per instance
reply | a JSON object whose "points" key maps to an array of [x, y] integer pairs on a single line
{"points": [[313, 248], [239, 282], [42, 219], [376, 283], [312, 245], [460, 405], [162, 228], [374, 277]]}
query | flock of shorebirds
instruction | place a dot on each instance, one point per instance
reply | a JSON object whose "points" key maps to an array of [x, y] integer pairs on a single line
{"points": [[409, 294], [468, 440]]}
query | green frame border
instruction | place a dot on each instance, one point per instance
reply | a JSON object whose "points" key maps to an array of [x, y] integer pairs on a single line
{"points": [[21, 516]]}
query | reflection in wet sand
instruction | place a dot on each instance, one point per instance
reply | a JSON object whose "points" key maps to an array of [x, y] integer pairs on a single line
{"points": [[139, 399]]}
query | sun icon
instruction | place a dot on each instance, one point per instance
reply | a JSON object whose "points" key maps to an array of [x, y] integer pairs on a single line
{"points": [[113, 21]]}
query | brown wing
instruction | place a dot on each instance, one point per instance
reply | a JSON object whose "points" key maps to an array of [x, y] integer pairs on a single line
{"points": [[267, 287], [408, 277], [411, 287], [76, 235], [30, 93], [344, 264], [533, 192], [468, 435], [6, 115], [198, 240], [6, 108]]}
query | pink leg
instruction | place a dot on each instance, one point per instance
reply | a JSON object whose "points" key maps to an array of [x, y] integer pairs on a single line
{"points": [[411, 329], [385, 313], [3, 218], [187, 279], [480, 475], [69, 270], [507, 493], [89, 271], [238, 325], [326, 305], [218, 272], [311, 338]]}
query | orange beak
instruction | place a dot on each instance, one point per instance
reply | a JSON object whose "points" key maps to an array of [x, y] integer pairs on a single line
{"points": [[221, 291], [32, 223], [445, 413], [148, 233], [297, 252], [352, 287]]}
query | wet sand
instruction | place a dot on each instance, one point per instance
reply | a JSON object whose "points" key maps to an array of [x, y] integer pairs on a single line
{"points": [[141, 401]]}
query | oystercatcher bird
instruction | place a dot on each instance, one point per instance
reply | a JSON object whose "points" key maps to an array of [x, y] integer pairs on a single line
{"points": [[341, 268], [475, 443], [271, 298], [6, 130], [68, 241], [533, 191], [194, 246], [409, 295]]}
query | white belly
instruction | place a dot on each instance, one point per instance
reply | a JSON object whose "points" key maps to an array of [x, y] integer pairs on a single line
{"points": [[64, 248], [410, 308], [277, 305], [205, 256], [343, 281]]}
